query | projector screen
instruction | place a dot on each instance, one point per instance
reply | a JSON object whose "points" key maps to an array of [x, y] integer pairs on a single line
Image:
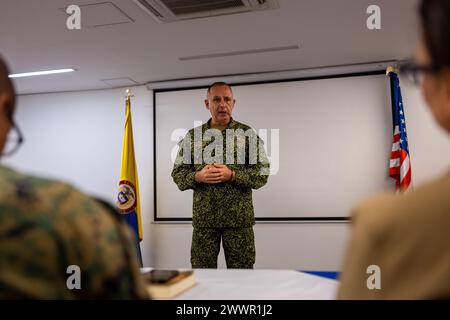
{"points": [[328, 141]]}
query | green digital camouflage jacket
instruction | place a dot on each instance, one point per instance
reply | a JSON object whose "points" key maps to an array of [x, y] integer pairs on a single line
{"points": [[47, 227], [227, 204]]}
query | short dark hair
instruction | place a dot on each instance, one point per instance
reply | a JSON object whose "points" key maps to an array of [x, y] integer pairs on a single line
{"points": [[6, 86], [435, 20], [217, 84]]}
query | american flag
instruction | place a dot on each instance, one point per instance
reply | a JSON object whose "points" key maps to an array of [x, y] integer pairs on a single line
{"points": [[400, 164]]}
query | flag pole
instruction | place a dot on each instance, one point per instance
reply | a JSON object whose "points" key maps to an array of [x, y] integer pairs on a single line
{"points": [[129, 179]]}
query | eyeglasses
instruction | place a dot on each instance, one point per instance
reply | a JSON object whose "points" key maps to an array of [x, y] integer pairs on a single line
{"points": [[13, 141], [413, 72]]}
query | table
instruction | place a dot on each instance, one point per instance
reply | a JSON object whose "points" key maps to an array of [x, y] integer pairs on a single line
{"points": [[258, 284]]}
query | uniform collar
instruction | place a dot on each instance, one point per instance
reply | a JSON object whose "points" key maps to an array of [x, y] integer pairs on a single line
{"points": [[230, 125]]}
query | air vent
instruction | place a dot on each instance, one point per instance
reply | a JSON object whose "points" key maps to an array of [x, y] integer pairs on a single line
{"points": [[175, 10]]}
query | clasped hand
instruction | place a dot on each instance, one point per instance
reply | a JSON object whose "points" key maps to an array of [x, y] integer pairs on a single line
{"points": [[214, 173]]}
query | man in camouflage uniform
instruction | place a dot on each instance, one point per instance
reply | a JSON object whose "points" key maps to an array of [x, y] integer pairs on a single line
{"points": [[48, 226], [222, 205]]}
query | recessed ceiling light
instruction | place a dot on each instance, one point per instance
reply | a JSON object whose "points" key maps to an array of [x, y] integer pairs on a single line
{"points": [[39, 73]]}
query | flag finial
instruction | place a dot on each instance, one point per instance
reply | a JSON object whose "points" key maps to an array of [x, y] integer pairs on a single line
{"points": [[391, 69], [129, 94]]}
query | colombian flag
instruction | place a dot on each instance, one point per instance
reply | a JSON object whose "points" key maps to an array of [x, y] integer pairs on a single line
{"points": [[128, 195]]}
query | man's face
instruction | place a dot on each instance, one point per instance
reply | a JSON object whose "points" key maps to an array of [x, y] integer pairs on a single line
{"points": [[220, 103]]}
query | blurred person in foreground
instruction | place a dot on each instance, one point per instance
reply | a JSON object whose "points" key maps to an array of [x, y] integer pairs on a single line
{"points": [[408, 236], [55, 242]]}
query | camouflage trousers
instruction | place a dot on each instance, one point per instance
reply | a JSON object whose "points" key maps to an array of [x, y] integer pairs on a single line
{"points": [[238, 245]]}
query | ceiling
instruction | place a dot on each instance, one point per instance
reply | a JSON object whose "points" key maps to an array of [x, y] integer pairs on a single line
{"points": [[34, 36]]}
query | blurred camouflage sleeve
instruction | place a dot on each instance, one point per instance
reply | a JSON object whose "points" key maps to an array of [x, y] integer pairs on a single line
{"points": [[254, 175], [106, 247], [47, 226], [183, 172]]}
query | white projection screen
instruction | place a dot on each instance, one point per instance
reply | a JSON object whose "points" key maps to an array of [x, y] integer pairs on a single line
{"points": [[334, 141]]}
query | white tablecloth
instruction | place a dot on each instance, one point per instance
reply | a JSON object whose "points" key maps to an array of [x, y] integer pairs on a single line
{"points": [[235, 284]]}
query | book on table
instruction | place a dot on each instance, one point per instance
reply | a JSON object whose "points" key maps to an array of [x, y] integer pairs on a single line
{"points": [[166, 284]]}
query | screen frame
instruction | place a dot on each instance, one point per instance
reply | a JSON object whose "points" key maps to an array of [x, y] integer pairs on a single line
{"points": [[257, 219]]}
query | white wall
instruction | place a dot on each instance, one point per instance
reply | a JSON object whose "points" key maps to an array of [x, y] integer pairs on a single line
{"points": [[299, 246], [78, 137]]}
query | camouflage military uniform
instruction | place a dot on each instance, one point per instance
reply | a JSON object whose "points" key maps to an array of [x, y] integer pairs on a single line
{"points": [[47, 226], [224, 210]]}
